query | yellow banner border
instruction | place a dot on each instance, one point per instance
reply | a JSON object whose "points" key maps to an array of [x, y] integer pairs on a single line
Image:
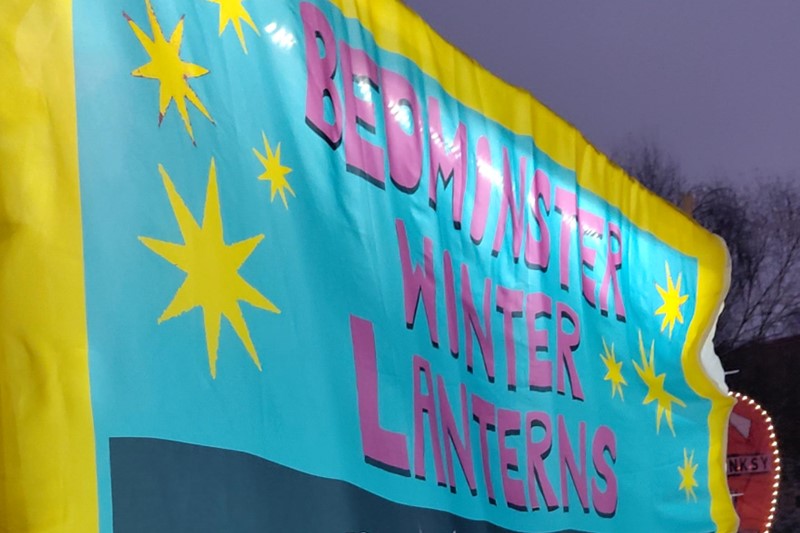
{"points": [[47, 451], [398, 29]]}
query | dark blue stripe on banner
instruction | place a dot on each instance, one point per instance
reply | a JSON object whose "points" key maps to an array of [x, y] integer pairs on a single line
{"points": [[166, 486]]}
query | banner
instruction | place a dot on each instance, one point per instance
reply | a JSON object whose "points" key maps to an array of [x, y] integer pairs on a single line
{"points": [[303, 266]]}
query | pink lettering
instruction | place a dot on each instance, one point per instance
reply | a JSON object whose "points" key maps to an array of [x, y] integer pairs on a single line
{"points": [[462, 447], [471, 321], [540, 376], [538, 451], [591, 227], [484, 414], [320, 70], [613, 264], [508, 205], [382, 448], [362, 157], [566, 205], [537, 251], [605, 502], [509, 302], [450, 163], [450, 303], [418, 283], [483, 190], [405, 148], [567, 344], [424, 404], [508, 424], [568, 464]]}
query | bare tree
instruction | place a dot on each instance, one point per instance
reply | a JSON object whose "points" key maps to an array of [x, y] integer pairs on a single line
{"points": [[762, 230], [774, 300], [644, 159], [761, 227]]}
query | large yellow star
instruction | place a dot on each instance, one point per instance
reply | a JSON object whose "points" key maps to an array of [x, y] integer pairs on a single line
{"points": [[234, 11], [274, 171], [688, 482], [614, 374], [212, 278], [655, 386], [169, 69], [672, 301]]}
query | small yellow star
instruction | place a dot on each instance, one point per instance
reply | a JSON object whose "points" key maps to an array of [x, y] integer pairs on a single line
{"points": [[234, 11], [169, 69], [274, 171], [655, 386], [212, 267], [614, 374], [672, 300], [687, 471]]}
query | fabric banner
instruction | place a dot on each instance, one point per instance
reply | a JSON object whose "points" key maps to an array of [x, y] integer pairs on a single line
{"points": [[303, 266]]}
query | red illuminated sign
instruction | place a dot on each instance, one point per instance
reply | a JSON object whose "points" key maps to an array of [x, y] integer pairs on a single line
{"points": [[753, 465]]}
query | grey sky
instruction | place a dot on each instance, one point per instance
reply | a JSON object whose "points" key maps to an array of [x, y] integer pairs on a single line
{"points": [[715, 83]]}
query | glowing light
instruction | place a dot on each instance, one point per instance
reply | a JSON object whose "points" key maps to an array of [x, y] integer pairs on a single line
{"points": [[280, 35], [570, 220], [284, 38], [365, 89], [401, 114], [490, 172]]}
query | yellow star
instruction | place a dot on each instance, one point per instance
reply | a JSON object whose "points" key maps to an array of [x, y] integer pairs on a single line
{"points": [[274, 172], [234, 11], [212, 278], [672, 300], [169, 69], [614, 374], [688, 483], [655, 386]]}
